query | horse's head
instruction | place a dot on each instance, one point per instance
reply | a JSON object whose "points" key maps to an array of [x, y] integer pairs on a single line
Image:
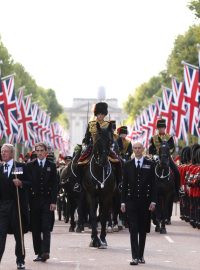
{"points": [[102, 144], [164, 154]]}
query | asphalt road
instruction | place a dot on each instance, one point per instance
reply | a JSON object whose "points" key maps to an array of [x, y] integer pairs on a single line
{"points": [[178, 249]]}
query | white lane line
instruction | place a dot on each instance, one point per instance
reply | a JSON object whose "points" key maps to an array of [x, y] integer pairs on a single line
{"points": [[169, 239]]}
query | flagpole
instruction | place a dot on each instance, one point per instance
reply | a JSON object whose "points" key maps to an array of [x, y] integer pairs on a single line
{"points": [[198, 47], [8, 76], [189, 65], [1, 63]]}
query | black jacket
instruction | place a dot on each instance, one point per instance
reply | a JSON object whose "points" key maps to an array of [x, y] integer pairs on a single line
{"points": [[8, 191]]}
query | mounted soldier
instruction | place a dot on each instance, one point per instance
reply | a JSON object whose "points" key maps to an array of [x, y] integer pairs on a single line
{"points": [[155, 143], [156, 140], [124, 144], [100, 112]]}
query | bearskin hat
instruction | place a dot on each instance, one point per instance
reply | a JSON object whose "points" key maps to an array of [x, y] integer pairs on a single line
{"points": [[161, 123], [122, 130], [101, 107]]}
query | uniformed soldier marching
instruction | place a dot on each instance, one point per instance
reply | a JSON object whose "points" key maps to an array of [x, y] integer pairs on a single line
{"points": [[43, 196], [14, 215], [138, 199]]}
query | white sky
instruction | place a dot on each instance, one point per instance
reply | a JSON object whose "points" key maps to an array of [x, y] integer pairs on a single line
{"points": [[76, 46]]}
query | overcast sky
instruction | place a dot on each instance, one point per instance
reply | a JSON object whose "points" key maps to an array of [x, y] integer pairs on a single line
{"points": [[77, 46]]}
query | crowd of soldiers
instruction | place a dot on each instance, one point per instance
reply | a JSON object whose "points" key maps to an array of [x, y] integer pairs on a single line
{"points": [[189, 169]]}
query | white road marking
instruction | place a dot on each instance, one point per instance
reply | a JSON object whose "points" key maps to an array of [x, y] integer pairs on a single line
{"points": [[169, 239]]}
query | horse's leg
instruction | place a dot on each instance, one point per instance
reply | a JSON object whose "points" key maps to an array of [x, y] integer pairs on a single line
{"points": [[165, 205], [109, 228], [72, 212], [80, 211], [105, 208], [95, 242], [116, 211]]}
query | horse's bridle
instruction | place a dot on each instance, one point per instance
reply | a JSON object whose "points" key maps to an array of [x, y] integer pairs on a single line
{"points": [[104, 179], [162, 175]]}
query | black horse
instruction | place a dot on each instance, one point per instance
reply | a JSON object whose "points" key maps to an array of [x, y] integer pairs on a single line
{"points": [[70, 182], [165, 187], [99, 183]]}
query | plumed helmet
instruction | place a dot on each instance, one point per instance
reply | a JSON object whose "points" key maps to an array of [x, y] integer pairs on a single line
{"points": [[161, 123], [101, 107], [122, 130]]}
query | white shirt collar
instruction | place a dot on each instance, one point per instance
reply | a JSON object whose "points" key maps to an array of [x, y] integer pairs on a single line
{"points": [[141, 161], [43, 161], [9, 163]]}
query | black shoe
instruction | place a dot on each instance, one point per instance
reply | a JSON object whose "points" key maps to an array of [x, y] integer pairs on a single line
{"points": [[45, 256], [38, 259], [134, 262], [141, 260], [20, 266]]}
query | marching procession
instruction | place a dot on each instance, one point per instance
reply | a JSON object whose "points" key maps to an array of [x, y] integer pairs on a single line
{"points": [[96, 185], [29, 189]]}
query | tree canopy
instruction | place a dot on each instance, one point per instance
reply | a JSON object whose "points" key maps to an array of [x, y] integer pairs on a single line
{"points": [[45, 97]]}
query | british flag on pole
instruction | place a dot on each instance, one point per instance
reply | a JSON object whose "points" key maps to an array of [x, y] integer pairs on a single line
{"points": [[191, 80], [26, 132], [166, 110], [178, 109], [9, 108]]}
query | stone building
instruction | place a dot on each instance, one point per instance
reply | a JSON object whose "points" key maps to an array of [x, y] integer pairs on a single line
{"points": [[81, 113]]}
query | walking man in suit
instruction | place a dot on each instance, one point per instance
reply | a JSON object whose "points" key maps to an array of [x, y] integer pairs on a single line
{"points": [[138, 200], [14, 217], [43, 196]]}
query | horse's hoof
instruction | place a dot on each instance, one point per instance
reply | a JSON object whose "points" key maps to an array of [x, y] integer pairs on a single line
{"points": [[115, 228], [79, 230], [157, 229], [120, 227], [109, 229], [103, 244], [168, 222], [163, 231], [71, 229], [95, 243]]}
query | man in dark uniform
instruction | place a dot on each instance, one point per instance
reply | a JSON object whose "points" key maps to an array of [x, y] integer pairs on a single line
{"points": [[14, 217], [43, 196], [124, 144], [138, 199], [155, 143]]}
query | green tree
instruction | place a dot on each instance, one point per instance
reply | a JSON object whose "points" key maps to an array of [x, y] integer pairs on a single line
{"points": [[195, 7]]}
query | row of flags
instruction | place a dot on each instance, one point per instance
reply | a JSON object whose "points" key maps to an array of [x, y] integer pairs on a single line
{"points": [[23, 121], [179, 106]]}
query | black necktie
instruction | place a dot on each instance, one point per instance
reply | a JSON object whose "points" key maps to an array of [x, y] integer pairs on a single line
{"points": [[6, 170], [138, 165], [41, 165]]}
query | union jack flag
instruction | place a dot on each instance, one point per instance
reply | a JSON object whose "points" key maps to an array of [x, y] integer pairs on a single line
{"points": [[9, 107], [166, 110], [191, 80], [178, 109], [26, 132]]}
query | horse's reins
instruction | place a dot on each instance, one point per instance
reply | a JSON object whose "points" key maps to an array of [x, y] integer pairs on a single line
{"points": [[104, 179]]}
